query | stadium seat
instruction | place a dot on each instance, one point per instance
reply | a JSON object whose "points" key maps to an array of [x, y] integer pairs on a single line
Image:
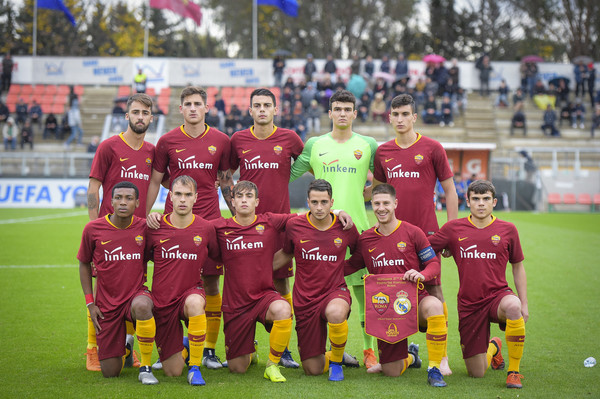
{"points": [[12, 99], [63, 89], [239, 91], [212, 91], [12, 108], [585, 199], [227, 93], [569, 199], [151, 91], [596, 201], [51, 89], [124, 91], [61, 99], [26, 89], [58, 109], [39, 90], [79, 90], [165, 92], [46, 108], [14, 89], [553, 200], [46, 99], [277, 92]]}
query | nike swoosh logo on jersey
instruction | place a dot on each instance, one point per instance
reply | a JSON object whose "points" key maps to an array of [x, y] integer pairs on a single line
{"points": [[105, 242], [165, 240], [245, 151], [219, 266], [372, 249], [123, 159], [303, 241], [291, 268], [176, 150], [388, 160], [323, 153], [228, 232], [462, 238]]}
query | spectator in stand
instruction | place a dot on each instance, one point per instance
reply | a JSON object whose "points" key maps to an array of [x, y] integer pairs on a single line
{"points": [[119, 123], [330, 68], [10, 132], [74, 118], [313, 117], [485, 71], [459, 102], [562, 93], [4, 113], [73, 97], [35, 116], [363, 107], [581, 77], [92, 148], [591, 81], [22, 111], [461, 190], [446, 109], [339, 84], [518, 96], [385, 64], [50, 127], [212, 118], [278, 67], [381, 86], [300, 126], [287, 94], [441, 77], [398, 89], [566, 114], [596, 119], [231, 124], [235, 111], [550, 122], [7, 69], [27, 134], [308, 94], [139, 81], [539, 88], [369, 67], [309, 68], [518, 120], [378, 108], [454, 72], [401, 69], [431, 87], [325, 88], [451, 88], [289, 82], [430, 113], [502, 100], [355, 66], [531, 76], [64, 128], [578, 114], [419, 94]]}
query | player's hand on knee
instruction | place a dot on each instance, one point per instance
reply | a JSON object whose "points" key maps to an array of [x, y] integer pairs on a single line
{"points": [[95, 313], [525, 312]]}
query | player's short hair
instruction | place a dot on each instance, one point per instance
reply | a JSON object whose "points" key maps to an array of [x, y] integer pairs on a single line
{"points": [[142, 98], [320, 185], [384, 188], [402, 100], [186, 181], [263, 92], [244, 185], [342, 96], [191, 90], [126, 184], [481, 187]]}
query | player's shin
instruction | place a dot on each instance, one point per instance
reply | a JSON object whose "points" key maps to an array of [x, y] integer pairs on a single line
{"points": [[279, 339], [515, 340], [436, 339], [196, 336], [146, 331], [213, 320], [338, 335]]}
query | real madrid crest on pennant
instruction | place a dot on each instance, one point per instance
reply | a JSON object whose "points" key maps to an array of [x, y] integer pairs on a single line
{"points": [[402, 304]]}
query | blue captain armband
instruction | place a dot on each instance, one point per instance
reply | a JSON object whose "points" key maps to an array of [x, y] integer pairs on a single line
{"points": [[426, 254]]}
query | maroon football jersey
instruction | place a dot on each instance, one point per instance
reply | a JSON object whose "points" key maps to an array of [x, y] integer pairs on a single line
{"points": [[413, 172], [319, 258], [178, 256], [247, 253], [201, 158], [481, 256], [118, 256], [396, 253], [115, 161], [267, 163]]}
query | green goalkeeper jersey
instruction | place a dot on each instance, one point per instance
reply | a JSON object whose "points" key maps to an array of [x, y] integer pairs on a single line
{"points": [[344, 166]]}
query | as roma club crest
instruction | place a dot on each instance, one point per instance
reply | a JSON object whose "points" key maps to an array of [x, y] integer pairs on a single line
{"points": [[149, 162], [496, 240], [337, 242], [418, 159], [139, 240], [277, 149], [401, 246], [197, 240], [212, 149], [380, 302], [358, 154], [260, 229]]}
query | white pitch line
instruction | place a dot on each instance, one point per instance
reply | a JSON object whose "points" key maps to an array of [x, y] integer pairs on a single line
{"points": [[42, 217], [36, 266]]}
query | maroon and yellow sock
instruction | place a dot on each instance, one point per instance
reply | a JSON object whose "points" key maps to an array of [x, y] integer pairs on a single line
{"points": [[213, 320], [130, 328], [491, 352], [196, 336], [279, 339], [146, 331], [445, 317], [338, 335], [91, 338], [288, 298], [407, 362], [515, 341], [436, 336]]}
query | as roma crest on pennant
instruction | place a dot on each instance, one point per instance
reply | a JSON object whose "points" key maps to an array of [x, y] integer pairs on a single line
{"points": [[139, 240], [358, 154], [260, 229], [393, 314], [197, 240], [496, 239], [418, 159], [277, 149], [212, 149], [401, 246], [337, 242]]}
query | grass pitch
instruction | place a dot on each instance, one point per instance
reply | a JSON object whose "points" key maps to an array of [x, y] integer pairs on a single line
{"points": [[43, 325]]}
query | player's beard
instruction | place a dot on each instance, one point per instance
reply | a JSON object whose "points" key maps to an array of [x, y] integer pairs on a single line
{"points": [[136, 129]]}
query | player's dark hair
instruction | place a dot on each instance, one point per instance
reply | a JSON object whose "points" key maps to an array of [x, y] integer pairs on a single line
{"points": [[402, 100], [244, 185], [384, 188], [126, 184], [191, 90], [142, 98], [186, 181], [481, 187], [320, 185], [342, 96], [263, 92]]}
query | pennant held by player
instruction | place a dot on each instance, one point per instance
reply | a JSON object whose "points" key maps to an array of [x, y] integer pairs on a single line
{"points": [[185, 8], [391, 311]]}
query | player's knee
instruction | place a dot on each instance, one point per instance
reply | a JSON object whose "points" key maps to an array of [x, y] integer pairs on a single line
{"points": [[281, 310], [194, 305], [312, 369], [476, 372], [336, 315], [511, 307], [142, 308]]}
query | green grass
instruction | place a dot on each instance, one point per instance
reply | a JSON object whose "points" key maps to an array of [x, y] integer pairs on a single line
{"points": [[43, 328]]}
